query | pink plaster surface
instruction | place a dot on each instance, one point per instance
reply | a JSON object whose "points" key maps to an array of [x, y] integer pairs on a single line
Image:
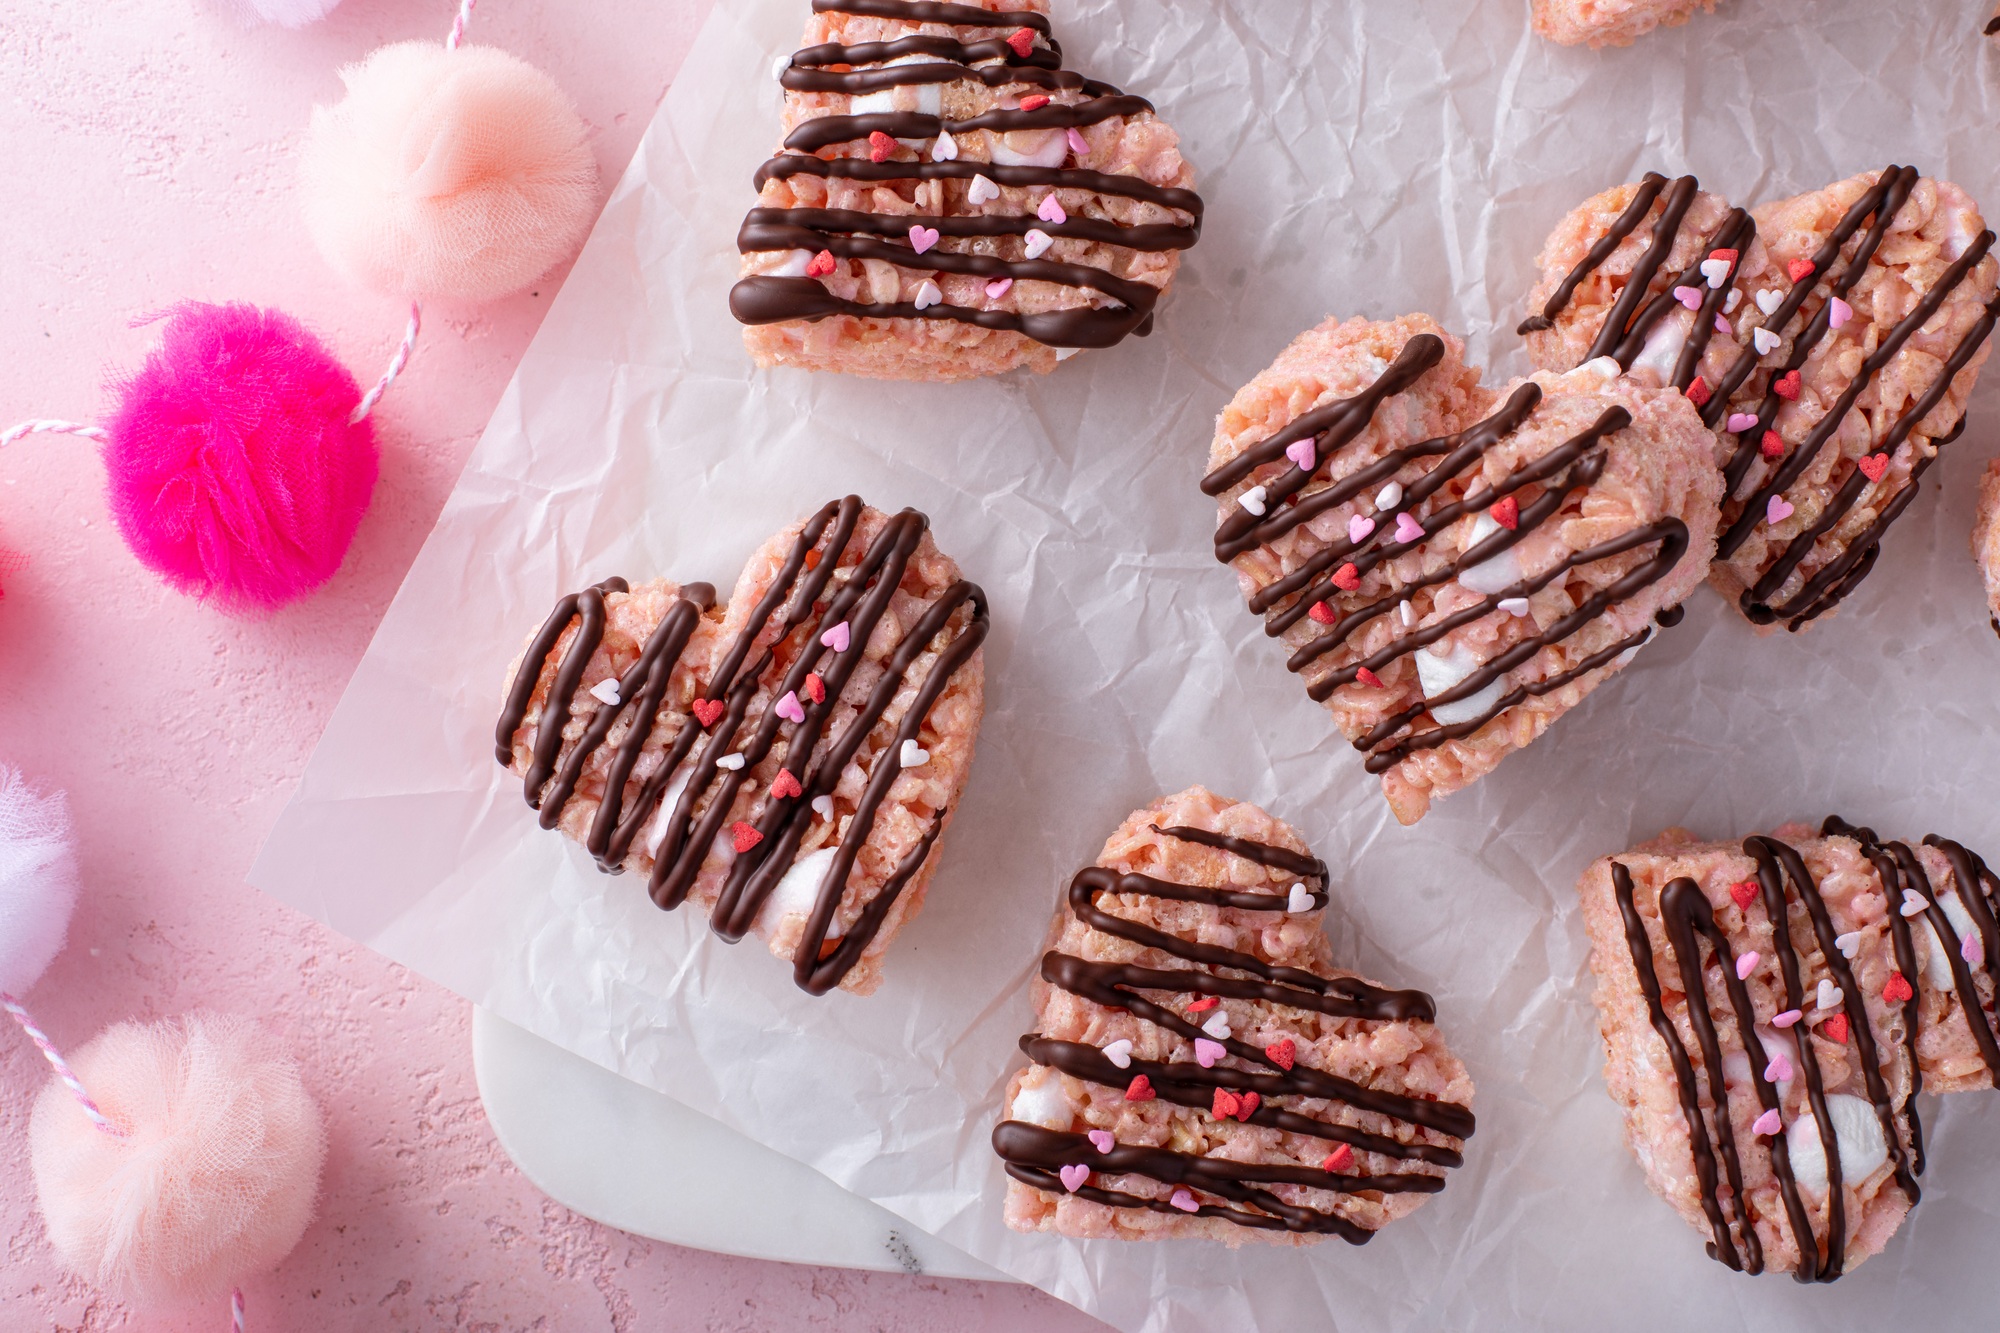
{"points": [[147, 151]]}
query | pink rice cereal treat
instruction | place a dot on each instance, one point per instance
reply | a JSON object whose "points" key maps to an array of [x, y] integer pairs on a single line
{"points": [[950, 202], [1986, 538], [789, 761], [1813, 1039], [1611, 22], [1200, 1066], [1831, 341], [1453, 568]]}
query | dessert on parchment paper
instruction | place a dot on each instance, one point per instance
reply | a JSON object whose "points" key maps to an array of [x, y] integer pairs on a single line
{"points": [[1611, 22], [950, 202], [790, 760], [1452, 567], [1830, 340], [1835, 976], [1199, 1065]]}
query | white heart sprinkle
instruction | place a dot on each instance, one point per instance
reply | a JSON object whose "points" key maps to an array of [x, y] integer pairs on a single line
{"points": [[1217, 1025], [732, 762], [981, 190], [1716, 271], [1514, 606], [1300, 899], [1039, 242], [1848, 944], [1389, 496], [945, 149], [1769, 300], [1734, 299], [1407, 614], [1252, 500], [928, 295], [1766, 341], [606, 691], [913, 755], [1913, 903], [1120, 1053], [1829, 994], [823, 807]]}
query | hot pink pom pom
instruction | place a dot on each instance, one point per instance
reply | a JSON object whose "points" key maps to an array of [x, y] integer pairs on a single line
{"points": [[235, 473], [214, 1177]]}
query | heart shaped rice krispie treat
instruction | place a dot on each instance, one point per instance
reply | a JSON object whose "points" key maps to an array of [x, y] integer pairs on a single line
{"points": [[1452, 567], [1831, 341], [1200, 1067], [1814, 1034], [1611, 22], [790, 761], [950, 202]]}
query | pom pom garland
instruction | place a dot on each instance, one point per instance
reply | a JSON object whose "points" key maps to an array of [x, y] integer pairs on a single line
{"points": [[457, 172], [38, 881], [212, 1176]]}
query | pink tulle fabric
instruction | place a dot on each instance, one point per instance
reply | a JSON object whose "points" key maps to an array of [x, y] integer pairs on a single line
{"points": [[215, 1178], [234, 471], [461, 174]]}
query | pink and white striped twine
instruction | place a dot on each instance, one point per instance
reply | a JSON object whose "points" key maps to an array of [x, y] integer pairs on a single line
{"points": [[60, 1065]]}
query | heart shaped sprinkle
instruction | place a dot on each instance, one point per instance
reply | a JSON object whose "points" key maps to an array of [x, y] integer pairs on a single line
{"points": [[945, 149], [1038, 242], [730, 762], [1689, 297], [922, 238], [1747, 964], [1140, 1089], [1184, 1201], [1786, 1019], [1848, 944], [815, 687], [1321, 613], [1742, 421], [1101, 1140], [981, 191], [999, 287], [789, 708], [1253, 501], [1207, 1052], [1246, 1106], [1408, 529], [1768, 1124], [836, 638], [1347, 577], [1828, 994], [823, 807], [1224, 1105], [1716, 270], [1913, 903], [1023, 41], [1217, 1025], [1722, 327], [1300, 899], [1203, 1005], [1800, 269], [820, 265], [1873, 466], [880, 146], [1770, 299], [1838, 312], [1515, 606], [1368, 678], [1119, 1052], [1389, 496], [1358, 528], [1765, 341], [1073, 1176], [1973, 948], [1052, 210], [1406, 613], [1034, 102], [1780, 1068], [1731, 301], [1698, 393], [1284, 1052], [744, 836], [1744, 892], [913, 755], [1772, 445], [1302, 453], [1787, 386], [1835, 1029], [1898, 989], [1339, 1159], [786, 785], [606, 691], [1778, 510], [1506, 511], [928, 295], [1077, 143]]}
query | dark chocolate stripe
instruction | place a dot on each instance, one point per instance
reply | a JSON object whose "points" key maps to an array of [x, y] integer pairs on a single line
{"points": [[1070, 178], [1624, 225], [766, 300], [926, 11], [948, 49], [778, 229], [827, 131], [862, 81], [1639, 281]]}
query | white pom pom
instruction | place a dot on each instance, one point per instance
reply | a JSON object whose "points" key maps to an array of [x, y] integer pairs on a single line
{"points": [[284, 13], [212, 1177], [38, 881]]}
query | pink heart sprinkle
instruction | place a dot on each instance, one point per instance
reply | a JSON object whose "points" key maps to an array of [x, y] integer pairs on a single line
{"points": [[836, 638], [1077, 143], [788, 707], [1051, 209], [1746, 965], [1073, 1176], [1786, 1019], [1408, 529], [1101, 1140], [1777, 511], [1722, 327], [1358, 528], [998, 287], [1973, 950], [922, 238], [1207, 1052], [1303, 453], [1742, 421], [1838, 313], [1184, 1201], [1768, 1123], [1780, 1069], [1689, 297]]}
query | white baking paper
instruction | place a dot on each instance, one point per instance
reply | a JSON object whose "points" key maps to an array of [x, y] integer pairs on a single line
{"points": [[1358, 158]]}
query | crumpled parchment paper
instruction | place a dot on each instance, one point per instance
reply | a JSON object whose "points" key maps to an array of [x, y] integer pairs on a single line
{"points": [[1358, 159]]}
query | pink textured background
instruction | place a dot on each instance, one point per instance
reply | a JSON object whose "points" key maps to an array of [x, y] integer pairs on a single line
{"points": [[147, 150]]}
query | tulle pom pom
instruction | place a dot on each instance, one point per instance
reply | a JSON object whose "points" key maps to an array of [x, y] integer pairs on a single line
{"points": [[38, 881], [213, 1177], [456, 173], [284, 13], [234, 470]]}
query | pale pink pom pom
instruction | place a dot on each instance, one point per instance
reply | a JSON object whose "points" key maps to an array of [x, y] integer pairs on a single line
{"points": [[457, 173], [214, 1177], [38, 881], [234, 470]]}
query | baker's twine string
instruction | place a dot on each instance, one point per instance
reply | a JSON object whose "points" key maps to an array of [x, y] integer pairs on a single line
{"points": [[236, 1322], [52, 427], [61, 1066], [458, 25], [396, 364]]}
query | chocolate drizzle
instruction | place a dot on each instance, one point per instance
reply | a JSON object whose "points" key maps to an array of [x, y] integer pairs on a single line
{"points": [[1551, 481], [1034, 1155], [1122, 306], [815, 753], [1783, 879]]}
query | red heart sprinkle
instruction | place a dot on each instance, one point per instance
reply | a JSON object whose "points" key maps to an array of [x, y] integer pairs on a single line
{"points": [[1787, 386], [1368, 678], [1800, 269], [744, 836], [1726, 256], [706, 711], [1873, 466], [785, 786], [1339, 1159], [1023, 41], [1321, 613], [880, 146], [1744, 892], [1898, 989], [1697, 393], [1283, 1052], [820, 265], [1347, 577], [1226, 1104], [1835, 1029], [1140, 1089], [1034, 103], [1773, 445], [1246, 1106], [1507, 512], [1203, 1005], [815, 687]]}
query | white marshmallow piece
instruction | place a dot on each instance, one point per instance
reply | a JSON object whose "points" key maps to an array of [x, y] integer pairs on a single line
{"points": [[796, 895], [928, 97], [1734, 299], [1489, 576], [1044, 148], [1937, 965], [1438, 674], [794, 266], [1389, 496], [1857, 1136], [1042, 1103], [1657, 359], [1604, 367], [668, 800]]}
